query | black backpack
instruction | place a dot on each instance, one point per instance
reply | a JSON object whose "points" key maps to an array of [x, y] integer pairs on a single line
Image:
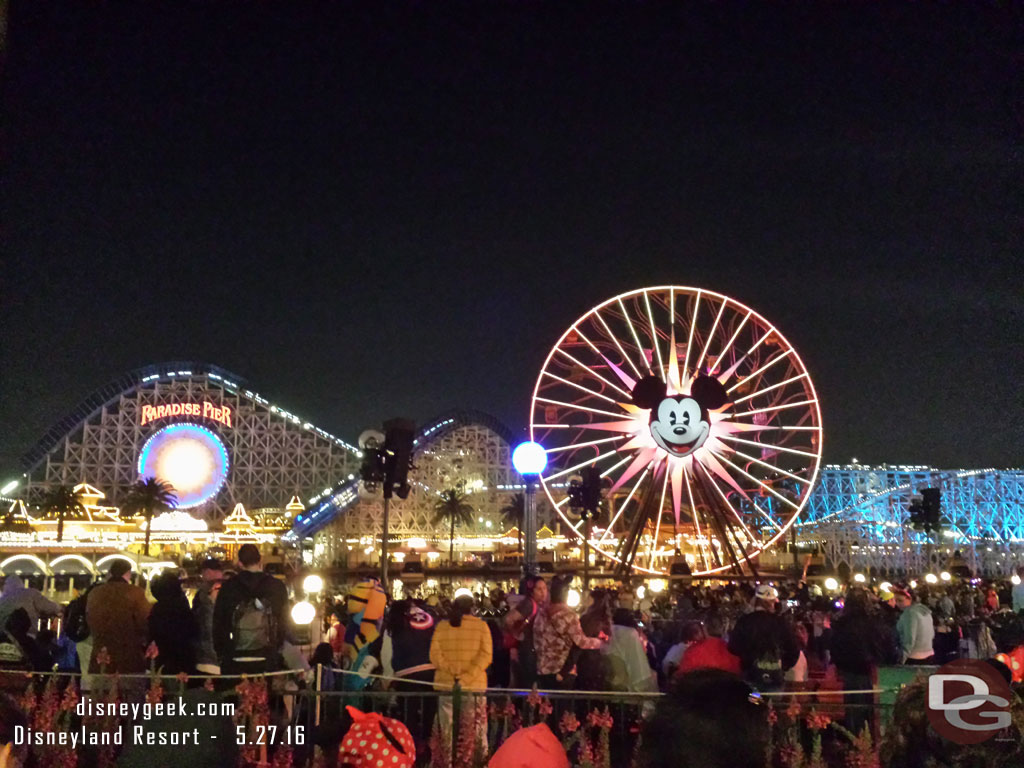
{"points": [[254, 628], [75, 625]]}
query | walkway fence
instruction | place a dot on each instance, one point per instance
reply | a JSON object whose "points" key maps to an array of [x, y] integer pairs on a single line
{"points": [[298, 718]]}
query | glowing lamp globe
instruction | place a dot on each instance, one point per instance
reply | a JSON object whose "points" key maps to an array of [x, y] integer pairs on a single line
{"points": [[657, 586], [312, 584], [462, 592], [641, 591], [1015, 579], [303, 613], [885, 586], [529, 458], [860, 578], [931, 578], [945, 576], [831, 584], [573, 598]]}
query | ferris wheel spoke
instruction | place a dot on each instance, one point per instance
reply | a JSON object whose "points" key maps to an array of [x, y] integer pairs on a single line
{"points": [[654, 337], [760, 371], [615, 340], [769, 389], [775, 408], [728, 344], [695, 515], [768, 488], [772, 467], [582, 464], [689, 341], [574, 446], [725, 499], [784, 449], [575, 407], [615, 466], [622, 507], [636, 339], [594, 373], [711, 336], [581, 388], [657, 527]]}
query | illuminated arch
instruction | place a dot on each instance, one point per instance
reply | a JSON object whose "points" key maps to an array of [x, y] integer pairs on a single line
{"points": [[78, 559], [31, 558]]}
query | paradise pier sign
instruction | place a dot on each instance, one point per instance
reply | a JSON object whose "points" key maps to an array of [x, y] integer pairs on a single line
{"points": [[205, 409]]}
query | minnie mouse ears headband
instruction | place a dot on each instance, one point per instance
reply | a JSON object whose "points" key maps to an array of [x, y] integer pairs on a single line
{"points": [[706, 390]]}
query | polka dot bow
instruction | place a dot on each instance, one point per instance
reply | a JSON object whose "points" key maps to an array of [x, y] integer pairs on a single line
{"points": [[374, 741]]}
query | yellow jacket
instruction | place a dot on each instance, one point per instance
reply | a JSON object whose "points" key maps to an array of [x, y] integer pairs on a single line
{"points": [[462, 653]]}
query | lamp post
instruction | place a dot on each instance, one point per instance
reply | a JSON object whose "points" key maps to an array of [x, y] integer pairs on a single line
{"points": [[530, 459]]}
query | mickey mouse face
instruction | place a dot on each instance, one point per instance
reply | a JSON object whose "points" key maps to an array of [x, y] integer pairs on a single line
{"points": [[678, 426]]}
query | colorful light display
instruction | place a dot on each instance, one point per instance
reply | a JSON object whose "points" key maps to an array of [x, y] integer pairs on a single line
{"points": [[189, 457], [691, 405]]}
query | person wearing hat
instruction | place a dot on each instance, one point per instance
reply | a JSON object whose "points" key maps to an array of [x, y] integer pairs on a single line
{"points": [[117, 612], [764, 642]]}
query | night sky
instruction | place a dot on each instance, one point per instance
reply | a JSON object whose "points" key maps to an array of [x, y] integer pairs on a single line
{"points": [[379, 209]]}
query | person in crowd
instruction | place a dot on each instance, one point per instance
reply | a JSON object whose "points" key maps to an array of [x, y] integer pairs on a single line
{"points": [[596, 621], [212, 573], [323, 656], [519, 629], [172, 626], [16, 595], [557, 630], [35, 653], [628, 667], [711, 652], [796, 676], [116, 613], [861, 642], [460, 651], [764, 643], [1017, 594], [405, 654], [336, 632], [250, 617], [692, 632], [916, 628], [709, 719], [992, 599]]}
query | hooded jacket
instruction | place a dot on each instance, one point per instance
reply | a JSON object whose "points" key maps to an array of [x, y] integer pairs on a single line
{"points": [[16, 595]]}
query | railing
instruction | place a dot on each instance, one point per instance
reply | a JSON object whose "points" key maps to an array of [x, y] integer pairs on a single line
{"points": [[292, 715]]}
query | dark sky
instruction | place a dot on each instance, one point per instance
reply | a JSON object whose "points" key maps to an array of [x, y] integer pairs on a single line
{"points": [[374, 209]]}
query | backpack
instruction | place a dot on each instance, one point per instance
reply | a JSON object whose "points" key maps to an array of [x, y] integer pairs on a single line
{"points": [[768, 671], [75, 625], [254, 625]]}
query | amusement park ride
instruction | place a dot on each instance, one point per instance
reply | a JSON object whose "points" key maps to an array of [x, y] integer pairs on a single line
{"points": [[695, 411]]}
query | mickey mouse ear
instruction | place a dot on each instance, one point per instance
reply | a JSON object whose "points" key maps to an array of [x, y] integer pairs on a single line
{"points": [[649, 391], [709, 392]]}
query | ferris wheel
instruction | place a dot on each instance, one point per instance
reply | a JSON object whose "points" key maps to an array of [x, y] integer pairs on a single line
{"points": [[700, 418]]}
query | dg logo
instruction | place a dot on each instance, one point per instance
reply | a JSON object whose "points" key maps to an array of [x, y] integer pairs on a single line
{"points": [[968, 701]]}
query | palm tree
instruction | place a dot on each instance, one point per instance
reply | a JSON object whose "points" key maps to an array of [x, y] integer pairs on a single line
{"points": [[148, 497], [452, 506], [514, 513], [63, 501]]}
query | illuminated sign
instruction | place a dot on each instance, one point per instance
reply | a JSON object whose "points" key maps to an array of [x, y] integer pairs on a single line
{"points": [[206, 410], [189, 457]]}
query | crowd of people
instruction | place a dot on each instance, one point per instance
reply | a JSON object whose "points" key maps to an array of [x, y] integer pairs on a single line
{"points": [[769, 638]]}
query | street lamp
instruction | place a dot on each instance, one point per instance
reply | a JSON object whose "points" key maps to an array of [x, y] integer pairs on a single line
{"points": [[312, 584], [530, 459]]}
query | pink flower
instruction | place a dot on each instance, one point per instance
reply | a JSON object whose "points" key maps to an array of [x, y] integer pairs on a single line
{"points": [[568, 723], [545, 707], [70, 698], [152, 651], [534, 698], [598, 719], [817, 721], [773, 717], [181, 677], [794, 711], [102, 657]]}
